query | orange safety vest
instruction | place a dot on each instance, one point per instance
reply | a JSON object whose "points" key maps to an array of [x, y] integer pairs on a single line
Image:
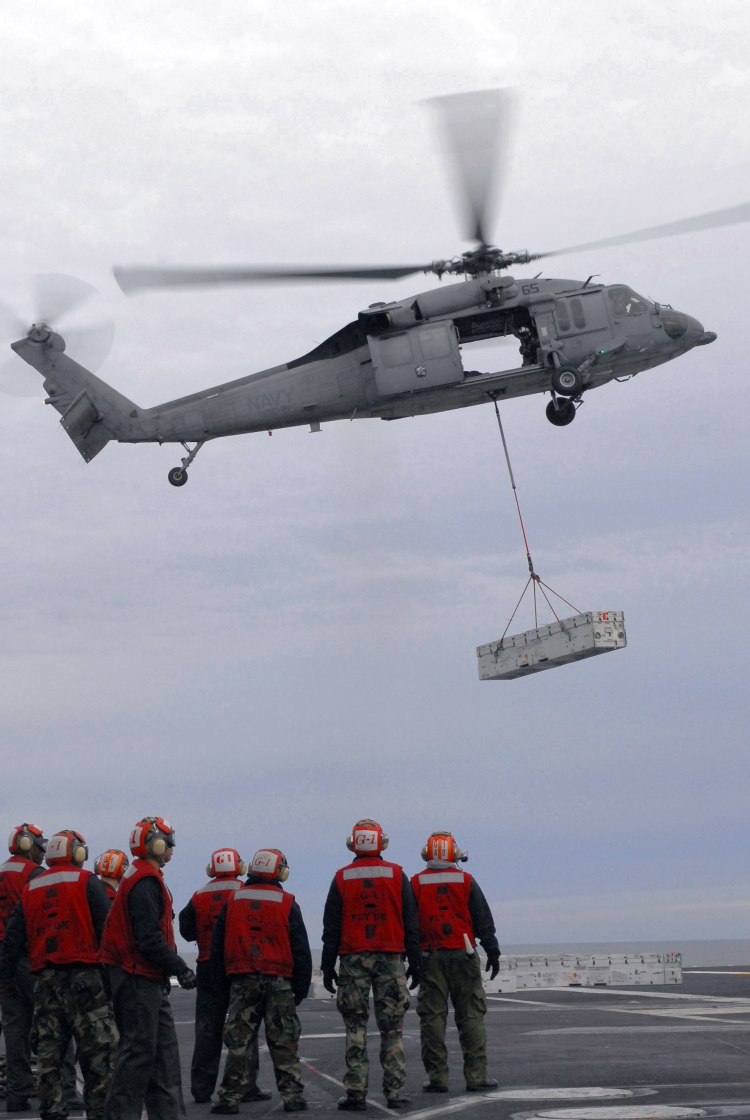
{"points": [[371, 906], [56, 913], [208, 902], [443, 904], [14, 875], [256, 937], [119, 946]]}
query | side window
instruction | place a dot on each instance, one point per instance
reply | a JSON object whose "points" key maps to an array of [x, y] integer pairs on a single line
{"points": [[576, 310], [561, 315], [624, 301]]}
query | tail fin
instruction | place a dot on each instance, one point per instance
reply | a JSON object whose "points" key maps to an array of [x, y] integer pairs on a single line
{"points": [[92, 412]]}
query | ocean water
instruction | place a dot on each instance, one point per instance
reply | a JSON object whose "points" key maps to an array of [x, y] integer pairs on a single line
{"points": [[695, 954]]}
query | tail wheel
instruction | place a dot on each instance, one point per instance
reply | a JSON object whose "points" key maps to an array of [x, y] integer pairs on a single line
{"points": [[178, 476], [561, 412], [567, 381]]}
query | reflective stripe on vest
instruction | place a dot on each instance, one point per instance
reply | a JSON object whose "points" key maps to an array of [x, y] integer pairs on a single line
{"points": [[49, 878], [256, 935], [368, 872], [441, 877], [219, 885], [57, 916], [443, 907], [261, 895], [371, 907]]}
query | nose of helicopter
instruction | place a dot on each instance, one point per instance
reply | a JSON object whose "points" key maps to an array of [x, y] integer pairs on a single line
{"points": [[695, 335], [686, 329]]}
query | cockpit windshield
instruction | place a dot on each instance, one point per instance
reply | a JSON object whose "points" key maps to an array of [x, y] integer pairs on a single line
{"points": [[624, 301]]}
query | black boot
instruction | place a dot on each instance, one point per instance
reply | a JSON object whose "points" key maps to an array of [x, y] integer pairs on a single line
{"points": [[352, 1103], [255, 1094]]}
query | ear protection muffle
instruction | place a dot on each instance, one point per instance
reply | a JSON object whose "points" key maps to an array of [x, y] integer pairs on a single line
{"points": [[270, 863], [226, 861], [111, 864], [442, 845], [67, 846], [151, 836], [23, 838], [367, 838]]}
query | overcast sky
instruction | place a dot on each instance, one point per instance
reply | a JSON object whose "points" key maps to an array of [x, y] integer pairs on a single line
{"points": [[288, 642]]}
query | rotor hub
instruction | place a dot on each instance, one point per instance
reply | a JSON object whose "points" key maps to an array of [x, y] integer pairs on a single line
{"points": [[481, 261]]}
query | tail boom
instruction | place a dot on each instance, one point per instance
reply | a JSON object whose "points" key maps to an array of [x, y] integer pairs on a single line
{"points": [[91, 411]]}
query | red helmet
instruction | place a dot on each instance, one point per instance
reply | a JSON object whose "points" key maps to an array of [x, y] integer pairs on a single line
{"points": [[270, 863], [151, 836], [111, 864], [66, 846], [24, 837], [367, 838], [442, 846], [226, 862]]}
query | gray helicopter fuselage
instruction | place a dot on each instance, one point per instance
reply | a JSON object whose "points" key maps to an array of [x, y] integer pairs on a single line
{"points": [[398, 359], [406, 358]]}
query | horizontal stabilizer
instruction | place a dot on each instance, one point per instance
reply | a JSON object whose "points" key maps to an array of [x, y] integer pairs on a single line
{"points": [[84, 425]]}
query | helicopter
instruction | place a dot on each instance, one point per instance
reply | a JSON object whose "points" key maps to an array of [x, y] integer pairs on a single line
{"points": [[404, 357]]}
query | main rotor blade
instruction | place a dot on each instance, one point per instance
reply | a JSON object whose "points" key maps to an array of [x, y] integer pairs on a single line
{"points": [[132, 278], [56, 294], [730, 216], [475, 126]]}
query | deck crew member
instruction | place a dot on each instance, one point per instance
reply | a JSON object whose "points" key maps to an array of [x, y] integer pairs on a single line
{"points": [[369, 922], [197, 920], [260, 941], [59, 922], [110, 866], [138, 948], [453, 915], [26, 845]]}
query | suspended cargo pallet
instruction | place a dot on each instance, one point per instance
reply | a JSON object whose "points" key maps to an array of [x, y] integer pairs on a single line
{"points": [[559, 643]]}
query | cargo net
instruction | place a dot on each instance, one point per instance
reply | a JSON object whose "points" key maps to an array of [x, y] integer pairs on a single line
{"points": [[534, 581]]}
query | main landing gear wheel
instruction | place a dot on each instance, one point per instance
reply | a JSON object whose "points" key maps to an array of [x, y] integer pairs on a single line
{"points": [[561, 412], [567, 381], [178, 476]]}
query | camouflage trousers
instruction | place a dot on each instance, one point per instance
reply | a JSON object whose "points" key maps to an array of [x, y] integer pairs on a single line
{"points": [[71, 1002], [384, 974], [211, 1006], [255, 999], [451, 973]]}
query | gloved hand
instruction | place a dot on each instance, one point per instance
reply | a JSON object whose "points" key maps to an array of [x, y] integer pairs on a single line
{"points": [[412, 975], [330, 980], [493, 963], [187, 979]]}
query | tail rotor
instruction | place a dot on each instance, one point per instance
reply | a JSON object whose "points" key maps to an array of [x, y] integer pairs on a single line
{"points": [[56, 299]]}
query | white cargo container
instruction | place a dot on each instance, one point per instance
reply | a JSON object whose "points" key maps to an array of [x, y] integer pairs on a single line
{"points": [[558, 643]]}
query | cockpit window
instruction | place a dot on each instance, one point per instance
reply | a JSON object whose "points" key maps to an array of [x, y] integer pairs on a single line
{"points": [[624, 301]]}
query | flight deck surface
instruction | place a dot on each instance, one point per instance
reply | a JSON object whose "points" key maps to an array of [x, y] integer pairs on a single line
{"points": [[563, 1054]]}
